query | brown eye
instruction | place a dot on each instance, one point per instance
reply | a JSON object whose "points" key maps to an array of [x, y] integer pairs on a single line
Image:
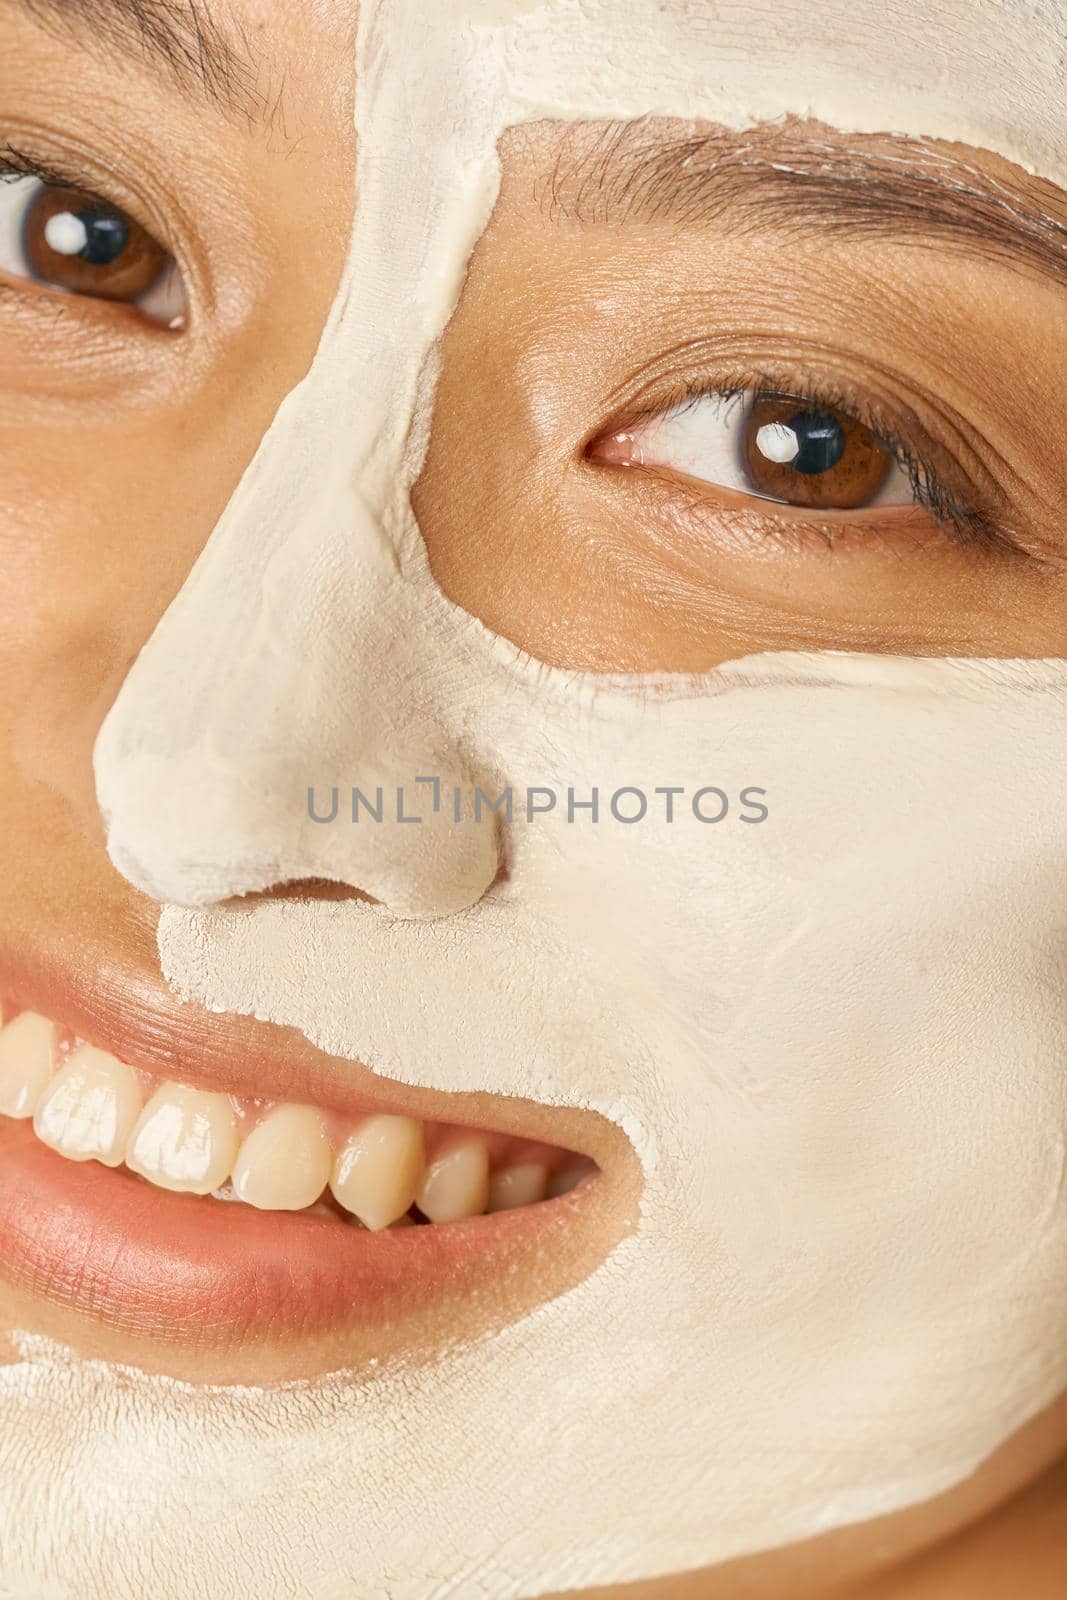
{"points": [[74, 241], [809, 455]]}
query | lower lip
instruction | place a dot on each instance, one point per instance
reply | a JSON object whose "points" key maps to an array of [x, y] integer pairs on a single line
{"points": [[100, 1241]]}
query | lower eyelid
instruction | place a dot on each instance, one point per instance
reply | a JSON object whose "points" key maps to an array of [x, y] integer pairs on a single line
{"points": [[746, 525]]}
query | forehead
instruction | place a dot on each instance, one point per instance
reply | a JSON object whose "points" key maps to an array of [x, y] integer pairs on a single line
{"points": [[987, 75]]}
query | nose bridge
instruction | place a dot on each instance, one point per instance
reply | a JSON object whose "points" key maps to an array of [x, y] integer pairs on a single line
{"points": [[295, 658]]}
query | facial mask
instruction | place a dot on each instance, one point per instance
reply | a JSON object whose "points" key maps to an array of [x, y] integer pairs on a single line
{"points": [[835, 1038]]}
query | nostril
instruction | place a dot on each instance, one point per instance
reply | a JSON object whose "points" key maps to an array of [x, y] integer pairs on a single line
{"points": [[305, 889]]}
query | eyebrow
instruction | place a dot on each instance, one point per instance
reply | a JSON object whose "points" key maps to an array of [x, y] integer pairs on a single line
{"points": [[178, 37], [888, 189]]}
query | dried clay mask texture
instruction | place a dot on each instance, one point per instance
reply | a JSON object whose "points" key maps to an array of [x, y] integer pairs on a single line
{"points": [[823, 1036]]}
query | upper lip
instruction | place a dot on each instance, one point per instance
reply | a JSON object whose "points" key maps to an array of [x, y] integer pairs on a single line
{"points": [[139, 1021]]}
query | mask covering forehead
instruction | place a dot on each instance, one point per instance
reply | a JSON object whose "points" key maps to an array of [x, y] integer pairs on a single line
{"points": [[836, 1040]]}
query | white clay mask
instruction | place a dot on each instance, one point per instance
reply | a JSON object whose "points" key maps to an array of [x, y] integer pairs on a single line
{"points": [[836, 1039]]}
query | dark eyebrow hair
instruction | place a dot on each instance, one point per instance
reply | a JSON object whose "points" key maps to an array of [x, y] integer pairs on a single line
{"points": [[179, 36], [781, 178]]}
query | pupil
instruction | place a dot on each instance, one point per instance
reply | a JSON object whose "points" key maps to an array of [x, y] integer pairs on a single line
{"points": [[821, 439], [106, 237]]}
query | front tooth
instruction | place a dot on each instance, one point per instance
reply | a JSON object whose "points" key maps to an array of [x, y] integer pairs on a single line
{"points": [[27, 1061], [89, 1107], [379, 1169], [457, 1184], [285, 1162], [185, 1139], [523, 1185]]}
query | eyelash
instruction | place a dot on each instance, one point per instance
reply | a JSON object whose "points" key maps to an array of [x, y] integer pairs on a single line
{"points": [[965, 524], [16, 164]]}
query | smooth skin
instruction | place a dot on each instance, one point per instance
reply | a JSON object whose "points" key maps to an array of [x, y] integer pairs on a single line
{"points": [[121, 443]]}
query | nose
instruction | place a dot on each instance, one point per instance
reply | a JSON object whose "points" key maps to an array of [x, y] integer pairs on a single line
{"points": [[303, 650], [294, 663]]}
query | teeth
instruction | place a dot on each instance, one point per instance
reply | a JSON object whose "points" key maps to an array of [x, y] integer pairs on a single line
{"points": [[27, 1061], [565, 1180], [456, 1184], [284, 1164], [379, 1169], [89, 1107], [523, 1185], [185, 1139]]}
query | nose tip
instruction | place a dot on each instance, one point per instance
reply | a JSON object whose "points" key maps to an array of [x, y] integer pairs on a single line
{"points": [[196, 845]]}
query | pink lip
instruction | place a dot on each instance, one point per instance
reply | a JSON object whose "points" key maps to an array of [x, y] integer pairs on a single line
{"points": [[100, 1241], [170, 1267]]}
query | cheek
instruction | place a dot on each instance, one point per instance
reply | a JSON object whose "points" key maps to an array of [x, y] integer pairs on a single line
{"points": [[104, 509], [91, 564]]}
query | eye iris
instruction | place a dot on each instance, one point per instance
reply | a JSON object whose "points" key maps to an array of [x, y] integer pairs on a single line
{"points": [[75, 242], [107, 235], [819, 441], [807, 456]]}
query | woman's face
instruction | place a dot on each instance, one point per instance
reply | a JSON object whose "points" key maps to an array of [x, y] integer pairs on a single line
{"points": [[675, 412]]}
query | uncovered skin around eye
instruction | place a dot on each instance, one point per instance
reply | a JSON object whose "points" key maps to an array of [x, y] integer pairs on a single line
{"points": [[836, 1040]]}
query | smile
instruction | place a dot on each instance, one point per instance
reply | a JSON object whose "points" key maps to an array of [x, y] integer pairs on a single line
{"points": [[163, 1201], [376, 1172]]}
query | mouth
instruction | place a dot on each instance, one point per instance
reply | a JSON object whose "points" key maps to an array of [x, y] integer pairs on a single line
{"points": [[186, 1199]]}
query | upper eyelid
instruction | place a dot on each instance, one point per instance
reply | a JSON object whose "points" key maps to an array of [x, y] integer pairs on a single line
{"points": [[16, 162]]}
